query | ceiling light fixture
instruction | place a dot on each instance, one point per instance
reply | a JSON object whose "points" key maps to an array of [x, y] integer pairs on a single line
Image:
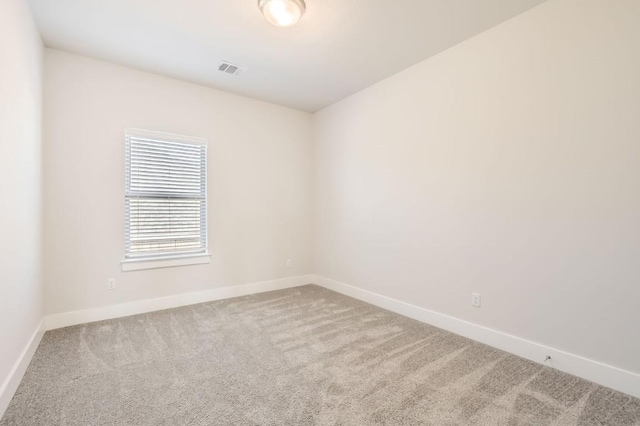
{"points": [[282, 13]]}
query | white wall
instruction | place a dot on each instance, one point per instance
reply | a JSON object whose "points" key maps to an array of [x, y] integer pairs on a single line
{"points": [[259, 182], [20, 182], [508, 165]]}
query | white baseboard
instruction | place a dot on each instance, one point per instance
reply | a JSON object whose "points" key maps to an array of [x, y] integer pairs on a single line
{"points": [[67, 319], [12, 382], [603, 374]]}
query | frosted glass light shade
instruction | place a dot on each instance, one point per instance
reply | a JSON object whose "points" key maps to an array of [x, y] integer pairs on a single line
{"points": [[282, 13]]}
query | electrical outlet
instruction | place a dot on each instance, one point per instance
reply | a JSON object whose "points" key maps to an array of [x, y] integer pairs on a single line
{"points": [[475, 300], [111, 284], [289, 263]]}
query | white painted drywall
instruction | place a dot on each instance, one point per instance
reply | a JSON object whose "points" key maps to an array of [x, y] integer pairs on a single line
{"points": [[508, 165], [336, 49], [259, 182], [20, 182]]}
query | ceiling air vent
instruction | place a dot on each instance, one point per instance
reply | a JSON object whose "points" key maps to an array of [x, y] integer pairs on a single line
{"points": [[229, 68]]}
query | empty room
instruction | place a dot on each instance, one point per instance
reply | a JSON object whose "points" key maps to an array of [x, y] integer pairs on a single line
{"points": [[320, 212]]}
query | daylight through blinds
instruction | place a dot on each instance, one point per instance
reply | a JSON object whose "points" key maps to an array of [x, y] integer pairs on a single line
{"points": [[165, 197]]}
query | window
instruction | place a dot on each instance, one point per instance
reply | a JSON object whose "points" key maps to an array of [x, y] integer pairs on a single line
{"points": [[165, 199]]}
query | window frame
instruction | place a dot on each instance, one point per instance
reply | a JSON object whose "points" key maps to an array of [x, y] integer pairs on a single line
{"points": [[130, 263]]}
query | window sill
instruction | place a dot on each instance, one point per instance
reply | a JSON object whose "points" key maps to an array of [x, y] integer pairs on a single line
{"points": [[165, 262]]}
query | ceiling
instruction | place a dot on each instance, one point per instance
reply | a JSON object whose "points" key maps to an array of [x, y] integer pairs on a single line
{"points": [[338, 48]]}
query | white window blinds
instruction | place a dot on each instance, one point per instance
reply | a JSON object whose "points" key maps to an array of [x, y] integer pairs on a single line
{"points": [[165, 195]]}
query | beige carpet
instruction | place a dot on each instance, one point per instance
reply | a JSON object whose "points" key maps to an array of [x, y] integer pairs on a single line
{"points": [[304, 356]]}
